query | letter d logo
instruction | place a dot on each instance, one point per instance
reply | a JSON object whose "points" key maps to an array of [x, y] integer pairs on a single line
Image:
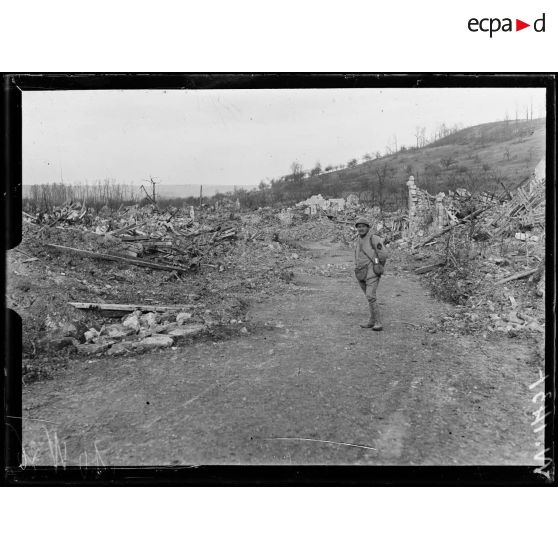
{"points": [[539, 24]]}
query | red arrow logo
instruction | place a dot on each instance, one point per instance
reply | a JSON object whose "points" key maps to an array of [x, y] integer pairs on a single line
{"points": [[519, 25]]}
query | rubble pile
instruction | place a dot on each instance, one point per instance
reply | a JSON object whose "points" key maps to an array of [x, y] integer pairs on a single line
{"points": [[486, 256], [318, 203], [140, 332], [171, 239], [112, 282], [68, 275]]}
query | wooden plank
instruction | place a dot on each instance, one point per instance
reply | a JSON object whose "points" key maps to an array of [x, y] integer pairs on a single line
{"points": [[123, 229], [131, 307], [135, 238], [427, 268], [95, 255], [158, 243], [29, 216], [516, 276]]}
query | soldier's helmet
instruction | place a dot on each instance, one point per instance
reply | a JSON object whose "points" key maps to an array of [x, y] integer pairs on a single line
{"points": [[362, 221]]}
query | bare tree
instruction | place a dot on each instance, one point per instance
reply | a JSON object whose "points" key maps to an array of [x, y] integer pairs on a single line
{"points": [[316, 170], [381, 173], [418, 134], [448, 161], [296, 168], [422, 136]]}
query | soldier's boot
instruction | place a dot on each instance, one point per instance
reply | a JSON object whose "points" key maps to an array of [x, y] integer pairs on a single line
{"points": [[372, 320], [375, 311]]}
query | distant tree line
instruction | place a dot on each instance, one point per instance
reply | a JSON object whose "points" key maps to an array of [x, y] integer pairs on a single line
{"points": [[45, 197]]}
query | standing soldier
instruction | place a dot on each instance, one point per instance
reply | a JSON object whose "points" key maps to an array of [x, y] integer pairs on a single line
{"points": [[370, 258]]}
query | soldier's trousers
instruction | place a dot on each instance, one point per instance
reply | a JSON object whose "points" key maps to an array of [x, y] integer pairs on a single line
{"points": [[369, 286]]}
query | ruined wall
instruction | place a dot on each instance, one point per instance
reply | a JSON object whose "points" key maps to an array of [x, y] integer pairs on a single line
{"points": [[428, 212], [421, 208]]}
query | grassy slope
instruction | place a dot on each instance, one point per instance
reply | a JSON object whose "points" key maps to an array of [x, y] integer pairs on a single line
{"points": [[479, 154]]}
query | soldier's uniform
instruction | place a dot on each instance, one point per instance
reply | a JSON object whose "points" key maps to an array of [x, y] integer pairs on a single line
{"points": [[370, 249]]}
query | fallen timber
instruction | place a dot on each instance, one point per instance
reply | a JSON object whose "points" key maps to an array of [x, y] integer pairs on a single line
{"points": [[520, 275], [97, 256], [451, 227], [126, 308], [428, 268]]}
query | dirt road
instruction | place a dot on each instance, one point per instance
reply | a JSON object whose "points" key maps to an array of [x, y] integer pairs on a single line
{"points": [[310, 387]]}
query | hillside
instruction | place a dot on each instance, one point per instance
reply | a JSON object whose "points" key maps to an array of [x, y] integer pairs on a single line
{"points": [[480, 157], [193, 190]]}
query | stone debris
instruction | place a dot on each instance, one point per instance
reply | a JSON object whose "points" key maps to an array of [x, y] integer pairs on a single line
{"points": [[136, 332], [91, 334], [158, 341], [93, 349], [474, 248], [183, 317], [117, 331], [171, 239], [132, 322], [122, 348], [189, 331], [148, 320]]}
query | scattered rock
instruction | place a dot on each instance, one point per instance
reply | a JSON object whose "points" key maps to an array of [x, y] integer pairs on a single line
{"points": [[188, 331], [68, 329], [183, 317], [117, 331], [91, 334], [164, 328], [148, 320], [121, 348], [132, 322], [167, 317], [157, 341], [93, 349]]}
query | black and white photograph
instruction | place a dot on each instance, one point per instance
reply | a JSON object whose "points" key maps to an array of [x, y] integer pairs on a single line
{"points": [[282, 276]]}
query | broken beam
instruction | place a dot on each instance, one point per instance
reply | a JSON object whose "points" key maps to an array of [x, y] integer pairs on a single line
{"points": [[516, 276], [130, 307], [427, 268], [451, 227], [95, 255]]}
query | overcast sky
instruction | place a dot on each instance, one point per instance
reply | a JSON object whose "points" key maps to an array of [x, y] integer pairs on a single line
{"points": [[235, 137]]}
